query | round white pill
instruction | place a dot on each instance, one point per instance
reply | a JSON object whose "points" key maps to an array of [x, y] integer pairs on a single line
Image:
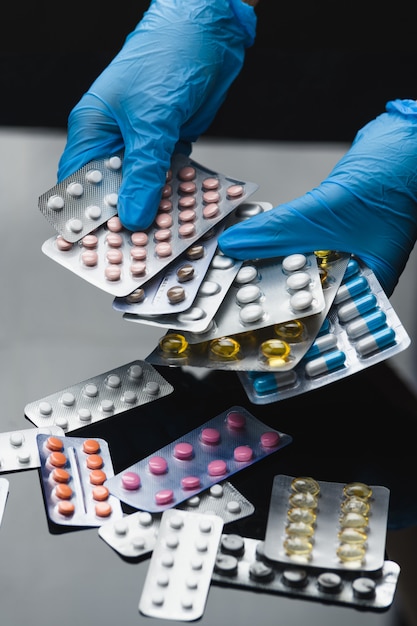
{"points": [[55, 203], [301, 300], [294, 262], [93, 212], [298, 280], [114, 163], [94, 176], [248, 293], [192, 315], [75, 225], [246, 274], [45, 408], [75, 190], [251, 313], [221, 262]]}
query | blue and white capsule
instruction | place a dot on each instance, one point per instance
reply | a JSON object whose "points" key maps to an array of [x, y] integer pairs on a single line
{"points": [[329, 362], [270, 383], [351, 289], [356, 307], [374, 342], [322, 344], [366, 324]]}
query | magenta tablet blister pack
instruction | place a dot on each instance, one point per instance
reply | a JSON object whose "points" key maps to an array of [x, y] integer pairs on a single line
{"points": [[117, 260], [336, 526], [226, 444], [360, 330], [241, 563], [19, 448], [73, 475], [4, 492], [135, 535], [181, 565], [100, 397]]}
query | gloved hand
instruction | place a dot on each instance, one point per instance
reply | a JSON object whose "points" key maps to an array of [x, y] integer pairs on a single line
{"points": [[366, 206], [158, 95]]}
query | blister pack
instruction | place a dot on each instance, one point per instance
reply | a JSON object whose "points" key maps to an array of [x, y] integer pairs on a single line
{"points": [[180, 569], [241, 563], [209, 454], [119, 261], [333, 526], [4, 492], [135, 535], [19, 449], [102, 396], [360, 330], [73, 473]]}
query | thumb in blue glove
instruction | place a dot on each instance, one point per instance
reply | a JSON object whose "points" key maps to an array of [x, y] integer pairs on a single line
{"points": [[367, 205], [158, 95]]}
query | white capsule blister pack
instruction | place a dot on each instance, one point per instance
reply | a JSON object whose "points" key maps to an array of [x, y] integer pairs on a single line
{"points": [[4, 492], [194, 199], [360, 330], [73, 473], [102, 396], [135, 535], [241, 563], [180, 569], [209, 454], [335, 526], [19, 449]]}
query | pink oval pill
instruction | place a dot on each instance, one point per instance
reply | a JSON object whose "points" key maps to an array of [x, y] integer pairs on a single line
{"points": [[234, 191], [139, 239], [217, 468], [236, 420], [63, 244], [210, 436], [165, 496], [89, 258], [210, 210], [164, 220], [114, 240], [157, 465], [187, 215], [183, 450], [131, 481], [137, 268], [114, 256], [168, 175], [210, 183], [211, 196], [112, 272], [190, 482], [114, 224], [242, 453], [163, 249], [166, 191], [163, 234], [165, 205], [186, 202], [269, 439], [138, 253], [187, 187], [90, 241], [186, 173], [186, 230]]}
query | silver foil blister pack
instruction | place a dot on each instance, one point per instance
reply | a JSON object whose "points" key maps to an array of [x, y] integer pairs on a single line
{"points": [[19, 448], [99, 397], [4, 492]]}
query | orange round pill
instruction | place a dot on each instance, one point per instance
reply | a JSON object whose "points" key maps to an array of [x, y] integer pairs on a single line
{"points": [[94, 461], [103, 509], [97, 477], [54, 443], [91, 446], [100, 493], [60, 475], [57, 459], [66, 508], [63, 491]]}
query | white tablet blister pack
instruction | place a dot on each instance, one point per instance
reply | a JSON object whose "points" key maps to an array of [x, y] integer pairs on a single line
{"points": [[73, 475], [241, 563], [4, 492], [112, 258], [19, 449], [360, 330], [135, 535], [335, 526], [102, 396], [209, 454], [181, 566]]}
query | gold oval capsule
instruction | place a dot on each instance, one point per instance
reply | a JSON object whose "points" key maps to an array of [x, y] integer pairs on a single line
{"points": [[224, 347], [358, 489], [355, 505], [299, 514], [299, 529], [305, 484], [298, 546], [353, 520], [348, 552], [303, 500], [291, 331], [352, 535], [273, 348], [173, 344]]}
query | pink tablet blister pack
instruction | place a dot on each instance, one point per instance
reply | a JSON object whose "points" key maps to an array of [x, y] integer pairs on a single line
{"points": [[194, 199], [241, 563], [19, 448], [135, 535], [4, 492], [181, 565], [73, 475], [226, 444], [100, 397]]}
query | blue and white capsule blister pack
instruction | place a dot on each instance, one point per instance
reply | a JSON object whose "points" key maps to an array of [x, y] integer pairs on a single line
{"points": [[194, 199], [135, 535], [241, 563], [73, 473], [336, 526], [102, 396], [209, 454], [360, 330], [4, 492], [180, 569], [19, 449]]}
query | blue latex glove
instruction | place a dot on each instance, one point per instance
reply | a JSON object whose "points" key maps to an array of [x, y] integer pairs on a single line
{"points": [[158, 95], [366, 206]]}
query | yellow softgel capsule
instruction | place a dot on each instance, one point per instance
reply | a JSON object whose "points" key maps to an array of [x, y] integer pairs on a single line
{"points": [[352, 535], [298, 546], [355, 505], [305, 484], [291, 331], [304, 500], [353, 520], [358, 489], [298, 514], [173, 344], [275, 351], [325, 256], [348, 552], [224, 347], [299, 529]]}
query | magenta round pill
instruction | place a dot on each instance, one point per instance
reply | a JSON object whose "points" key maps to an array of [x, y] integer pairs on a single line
{"points": [[163, 249], [131, 481], [217, 468], [165, 205], [162, 234], [137, 268], [236, 420], [114, 224], [114, 240], [63, 244], [211, 196], [210, 436], [187, 173], [183, 450], [139, 238], [242, 453], [165, 496], [186, 230], [186, 202], [157, 465], [190, 482], [210, 210], [166, 191], [270, 439], [164, 220]]}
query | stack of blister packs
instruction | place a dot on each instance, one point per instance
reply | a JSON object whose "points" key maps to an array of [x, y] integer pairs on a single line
{"points": [[286, 324]]}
